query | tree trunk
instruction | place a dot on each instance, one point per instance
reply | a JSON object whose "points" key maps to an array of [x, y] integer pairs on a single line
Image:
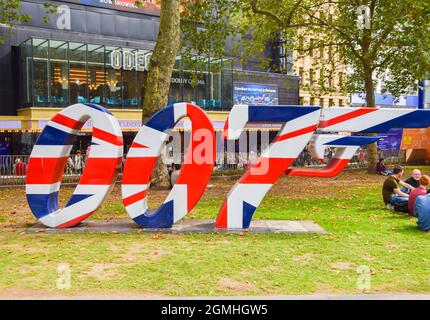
{"points": [[160, 73], [370, 102]]}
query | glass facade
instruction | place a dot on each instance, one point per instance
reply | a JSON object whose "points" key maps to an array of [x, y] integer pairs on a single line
{"points": [[58, 73]]}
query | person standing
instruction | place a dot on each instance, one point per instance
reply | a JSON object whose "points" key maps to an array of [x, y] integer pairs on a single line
{"points": [[78, 162]]}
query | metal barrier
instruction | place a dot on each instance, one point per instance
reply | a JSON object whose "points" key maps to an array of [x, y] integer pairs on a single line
{"points": [[13, 169]]}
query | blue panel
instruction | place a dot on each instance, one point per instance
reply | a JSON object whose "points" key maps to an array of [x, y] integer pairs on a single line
{"points": [[51, 136], [162, 218], [163, 119], [384, 99], [97, 107], [415, 119], [43, 204], [353, 141], [77, 198], [277, 113], [248, 212], [412, 101]]}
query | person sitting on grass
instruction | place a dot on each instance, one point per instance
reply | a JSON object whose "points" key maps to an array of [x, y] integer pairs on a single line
{"points": [[381, 169], [393, 197], [414, 180], [421, 190]]}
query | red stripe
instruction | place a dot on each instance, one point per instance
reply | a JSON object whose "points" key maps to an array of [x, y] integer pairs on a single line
{"points": [[75, 221], [138, 145], [108, 137], [296, 133], [45, 170], [224, 135], [66, 121], [221, 220], [138, 170], [332, 169], [345, 117], [134, 198], [101, 171], [266, 170]]}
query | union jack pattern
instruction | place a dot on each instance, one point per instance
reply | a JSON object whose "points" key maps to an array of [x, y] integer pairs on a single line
{"points": [[142, 158], [246, 195], [49, 156], [244, 198]]}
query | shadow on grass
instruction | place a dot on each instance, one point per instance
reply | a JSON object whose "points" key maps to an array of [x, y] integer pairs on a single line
{"points": [[410, 230]]}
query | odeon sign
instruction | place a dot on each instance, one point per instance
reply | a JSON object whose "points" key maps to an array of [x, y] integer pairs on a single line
{"points": [[300, 125]]}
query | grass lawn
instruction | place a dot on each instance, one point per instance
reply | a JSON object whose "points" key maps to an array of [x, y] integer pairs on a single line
{"points": [[362, 232]]}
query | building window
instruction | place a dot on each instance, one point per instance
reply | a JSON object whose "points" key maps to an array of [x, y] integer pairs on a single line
{"points": [[322, 102], [311, 76], [59, 73], [330, 102], [311, 47], [312, 101], [330, 81], [341, 103], [340, 80], [301, 75]]}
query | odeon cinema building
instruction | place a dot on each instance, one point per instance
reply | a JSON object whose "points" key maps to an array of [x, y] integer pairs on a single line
{"points": [[98, 51]]}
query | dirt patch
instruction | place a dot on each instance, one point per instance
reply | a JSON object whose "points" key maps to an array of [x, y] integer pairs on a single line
{"points": [[24, 293], [236, 286], [307, 257], [138, 252], [341, 265], [103, 271]]}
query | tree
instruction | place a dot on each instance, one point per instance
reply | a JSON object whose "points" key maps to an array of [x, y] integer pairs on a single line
{"points": [[376, 39], [160, 71], [10, 13]]}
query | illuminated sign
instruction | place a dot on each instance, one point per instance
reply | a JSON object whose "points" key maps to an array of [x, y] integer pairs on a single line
{"points": [[130, 60]]}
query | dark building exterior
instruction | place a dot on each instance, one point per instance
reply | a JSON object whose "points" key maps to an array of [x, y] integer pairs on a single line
{"points": [[98, 51]]}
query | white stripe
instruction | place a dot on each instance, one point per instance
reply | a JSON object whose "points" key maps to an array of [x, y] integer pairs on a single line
{"points": [[251, 193], [151, 138], [105, 150], [179, 196], [62, 127], [360, 123], [289, 148], [80, 208], [346, 152], [180, 111], [91, 189], [42, 188], [129, 190], [237, 120], [47, 151], [307, 120], [138, 208]]}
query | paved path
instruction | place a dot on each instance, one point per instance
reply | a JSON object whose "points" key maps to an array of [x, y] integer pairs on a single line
{"points": [[187, 226]]}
